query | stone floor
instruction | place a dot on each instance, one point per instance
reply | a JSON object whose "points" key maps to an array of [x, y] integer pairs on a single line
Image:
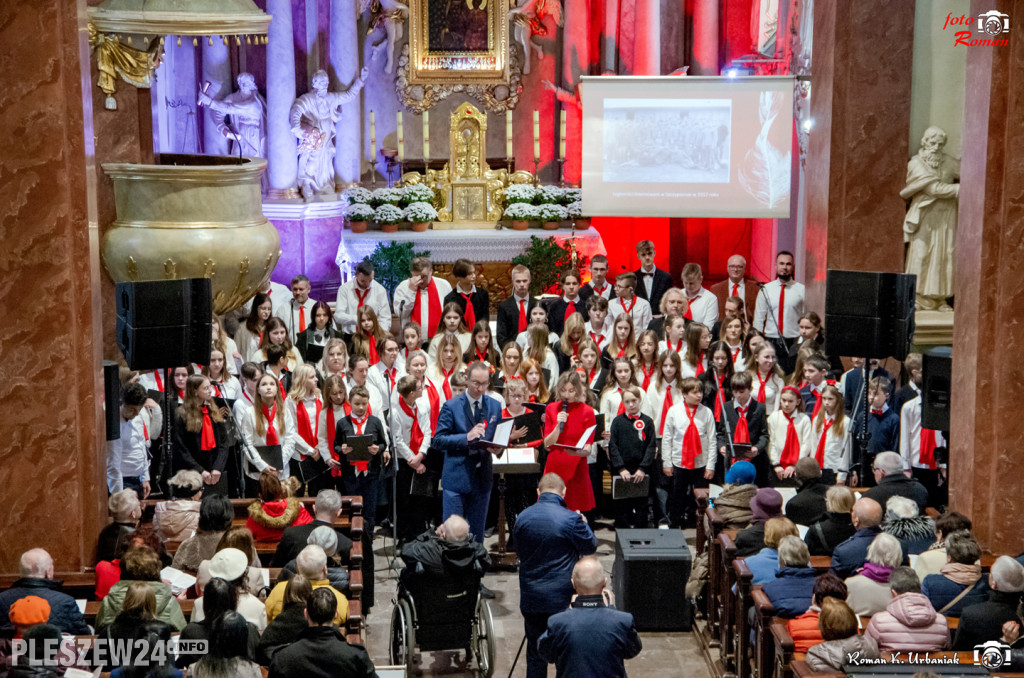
{"points": [[663, 654]]}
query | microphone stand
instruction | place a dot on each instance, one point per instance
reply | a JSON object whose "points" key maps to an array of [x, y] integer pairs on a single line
{"points": [[167, 453], [863, 436], [728, 430], [238, 441]]}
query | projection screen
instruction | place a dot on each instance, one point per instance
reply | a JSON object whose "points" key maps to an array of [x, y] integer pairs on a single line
{"points": [[687, 146]]}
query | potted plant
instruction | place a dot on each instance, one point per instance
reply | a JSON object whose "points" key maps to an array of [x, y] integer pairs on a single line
{"points": [[575, 213], [388, 217], [391, 262], [551, 215], [519, 193], [570, 195], [386, 196], [548, 194], [416, 193], [520, 214], [420, 214], [357, 195], [358, 214], [547, 260]]}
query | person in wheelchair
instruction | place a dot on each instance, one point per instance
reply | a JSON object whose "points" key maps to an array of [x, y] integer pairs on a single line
{"points": [[450, 551]]}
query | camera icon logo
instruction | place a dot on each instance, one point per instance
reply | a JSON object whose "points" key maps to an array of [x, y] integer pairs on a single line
{"points": [[992, 655], [993, 22]]}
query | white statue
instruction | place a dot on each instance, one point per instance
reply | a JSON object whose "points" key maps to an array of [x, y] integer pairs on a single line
{"points": [[389, 15], [528, 20], [312, 119], [930, 225], [247, 128]]}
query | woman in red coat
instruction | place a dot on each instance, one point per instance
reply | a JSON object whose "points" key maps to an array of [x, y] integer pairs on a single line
{"points": [[274, 510], [578, 417]]}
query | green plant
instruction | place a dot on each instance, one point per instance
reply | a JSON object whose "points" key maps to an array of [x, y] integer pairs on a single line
{"points": [[391, 263], [547, 261]]}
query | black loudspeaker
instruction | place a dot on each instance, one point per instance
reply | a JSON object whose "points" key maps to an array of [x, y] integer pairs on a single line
{"points": [[112, 399], [165, 323], [649, 578], [937, 380], [869, 315]]}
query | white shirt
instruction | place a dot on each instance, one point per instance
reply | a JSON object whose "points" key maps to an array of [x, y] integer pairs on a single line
{"points": [[229, 390], [605, 292], [653, 404], [405, 299], [648, 280], [378, 375], [778, 426], [768, 305], [740, 288], [773, 386], [604, 334], [348, 304], [126, 457], [401, 427], [321, 429], [704, 308], [291, 312], [676, 423], [910, 436], [377, 406], [838, 448], [641, 312], [247, 427]]}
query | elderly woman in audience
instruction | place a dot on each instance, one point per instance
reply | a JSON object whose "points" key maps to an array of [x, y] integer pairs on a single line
{"points": [[178, 519], [959, 583], [908, 622], [982, 622], [838, 626], [141, 564], [904, 521], [215, 515], [766, 504], [792, 590], [219, 598], [229, 653], [804, 629], [733, 504], [231, 565], [274, 509], [326, 538], [765, 563], [869, 590], [837, 526], [290, 623], [933, 560], [126, 510]]}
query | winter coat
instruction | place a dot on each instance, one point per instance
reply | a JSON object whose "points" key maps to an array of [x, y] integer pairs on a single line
{"points": [[941, 590], [850, 555], [804, 631], [750, 540], [830, 655], [984, 621], [916, 534], [733, 505], [195, 550], [176, 520], [64, 612], [909, 623], [931, 561], [282, 632], [763, 565], [867, 596], [167, 608], [267, 520], [823, 536], [790, 592], [808, 505]]}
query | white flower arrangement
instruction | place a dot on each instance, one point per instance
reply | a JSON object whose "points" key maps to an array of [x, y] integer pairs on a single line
{"points": [[356, 195], [420, 212], [519, 193], [521, 211], [548, 194], [417, 193], [359, 211], [575, 209], [549, 212], [571, 195], [388, 214], [386, 196]]}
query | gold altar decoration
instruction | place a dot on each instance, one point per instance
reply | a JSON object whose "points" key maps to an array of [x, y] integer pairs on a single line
{"points": [[114, 58], [195, 216], [458, 42], [496, 98]]}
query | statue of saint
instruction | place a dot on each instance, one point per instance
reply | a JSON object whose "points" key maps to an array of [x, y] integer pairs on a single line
{"points": [[312, 119], [247, 126], [930, 226]]}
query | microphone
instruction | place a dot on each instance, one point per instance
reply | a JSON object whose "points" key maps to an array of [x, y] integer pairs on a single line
{"points": [[565, 408], [401, 310]]}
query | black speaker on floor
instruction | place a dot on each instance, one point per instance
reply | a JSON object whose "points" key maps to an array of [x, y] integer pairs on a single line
{"points": [[166, 323], [112, 399], [936, 386], [649, 578], [869, 314]]}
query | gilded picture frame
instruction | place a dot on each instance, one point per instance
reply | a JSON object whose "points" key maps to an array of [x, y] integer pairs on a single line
{"points": [[458, 42]]}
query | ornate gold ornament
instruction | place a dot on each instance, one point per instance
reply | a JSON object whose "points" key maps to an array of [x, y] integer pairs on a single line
{"points": [[496, 98], [458, 41]]}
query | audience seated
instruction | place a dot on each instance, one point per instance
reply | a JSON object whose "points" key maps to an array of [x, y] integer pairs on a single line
{"points": [[126, 509], [982, 622], [933, 559], [215, 515], [836, 527], [139, 609], [178, 519], [733, 504], [219, 598], [869, 590], [808, 506], [231, 565], [311, 563], [326, 510], [240, 538], [909, 622], [275, 509], [959, 583], [766, 504], [141, 564], [792, 589], [160, 664], [449, 550], [321, 649], [229, 650], [850, 555], [289, 624], [765, 563], [888, 468], [804, 629], [838, 626], [326, 538], [36, 569], [903, 521]]}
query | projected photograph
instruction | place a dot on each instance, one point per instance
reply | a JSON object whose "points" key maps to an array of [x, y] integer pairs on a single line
{"points": [[667, 140]]}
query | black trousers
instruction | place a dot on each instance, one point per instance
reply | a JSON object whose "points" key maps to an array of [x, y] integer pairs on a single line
{"points": [[938, 495], [682, 506]]}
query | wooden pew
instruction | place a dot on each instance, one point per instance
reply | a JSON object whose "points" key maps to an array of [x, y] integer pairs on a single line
{"points": [[743, 601], [352, 505], [700, 495], [76, 584], [764, 648], [92, 608], [714, 524], [726, 605]]}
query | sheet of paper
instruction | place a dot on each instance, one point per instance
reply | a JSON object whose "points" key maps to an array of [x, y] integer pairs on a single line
{"points": [[176, 579], [802, 530], [266, 576], [787, 494], [516, 455], [80, 602], [714, 491], [79, 673], [502, 433], [913, 559], [585, 438]]}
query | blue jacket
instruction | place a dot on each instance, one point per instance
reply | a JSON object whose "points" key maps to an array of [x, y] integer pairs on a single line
{"points": [[850, 555], [549, 540], [941, 591], [64, 612], [466, 469], [589, 639], [791, 591], [763, 565]]}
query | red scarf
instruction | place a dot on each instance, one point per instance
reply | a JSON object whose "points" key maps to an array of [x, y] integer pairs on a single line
{"points": [[308, 431], [433, 308], [742, 432], [622, 405], [482, 357], [718, 400], [597, 291], [358, 424], [598, 338], [628, 310], [647, 376], [280, 385], [689, 302], [331, 430], [692, 447], [446, 385], [622, 353], [270, 416], [469, 313], [699, 370], [819, 454], [817, 402], [590, 376], [736, 353], [159, 381], [361, 296], [207, 438], [435, 403], [666, 405], [791, 448], [678, 346], [416, 434], [371, 348], [761, 391], [926, 455], [216, 388]]}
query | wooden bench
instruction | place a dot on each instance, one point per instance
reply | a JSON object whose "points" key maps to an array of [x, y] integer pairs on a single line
{"points": [[352, 505]]}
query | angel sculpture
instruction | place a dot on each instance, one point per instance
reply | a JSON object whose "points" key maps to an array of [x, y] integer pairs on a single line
{"points": [[389, 15], [528, 20], [564, 95]]}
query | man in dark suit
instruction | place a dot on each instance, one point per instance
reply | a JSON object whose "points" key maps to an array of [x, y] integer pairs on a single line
{"points": [[474, 301], [808, 505], [327, 510], [850, 555], [983, 622], [892, 480], [514, 312], [651, 282], [756, 418], [465, 422], [573, 300], [737, 285]]}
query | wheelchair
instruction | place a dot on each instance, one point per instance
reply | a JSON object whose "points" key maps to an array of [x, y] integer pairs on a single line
{"points": [[442, 613]]}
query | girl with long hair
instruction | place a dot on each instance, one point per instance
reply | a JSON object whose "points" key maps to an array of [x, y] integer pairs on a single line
{"points": [[768, 382], [567, 348], [540, 352], [646, 360], [452, 325], [511, 362], [368, 334], [675, 335], [320, 331], [224, 385], [833, 444], [334, 362], [716, 380], [731, 334], [536, 384], [482, 347], [276, 333], [698, 338], [305, 403], [249, 334], [335, 408], [448, 362], [623, 341], [790, 437], [269, 422], [663, 391], [589, 366], [200, 438], [412, 341]]}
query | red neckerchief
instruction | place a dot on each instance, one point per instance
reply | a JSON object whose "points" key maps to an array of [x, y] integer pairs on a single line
{"points": [[446, 385], [599, 291], [622, 405], [598, 338], [678, 346], [307, 430], [742, 433], [819, 454], [666, 405], [216, 388], [699, 370], [435, 403], [591, 374], [270, 416], [416, 433], [692, 446], [371, 348], [647, 376], [433, 308], [207, 438], [331, 430], [159, 381], [761, 390], [791, 448], [358, 425], [628, 310], [361, 297], [469, 313], [718, 401], [736, 353], [482, 357]]}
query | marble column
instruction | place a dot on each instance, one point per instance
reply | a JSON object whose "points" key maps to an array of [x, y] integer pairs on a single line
{"points": [[610, 36], [217, 72], [987, 370], [51, 467], [344, 60], [705, 37], [575, 62], [858, 151], [647, 38], [282, 159]]}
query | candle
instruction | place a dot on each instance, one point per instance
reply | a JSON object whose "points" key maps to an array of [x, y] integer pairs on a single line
{"points": [[373, 137], [536, 135], [426, 135], [508, 134], [561, 143], [401, 139]]}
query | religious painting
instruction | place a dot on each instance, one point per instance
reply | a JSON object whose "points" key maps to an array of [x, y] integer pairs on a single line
{"points": [[458, 41]]}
